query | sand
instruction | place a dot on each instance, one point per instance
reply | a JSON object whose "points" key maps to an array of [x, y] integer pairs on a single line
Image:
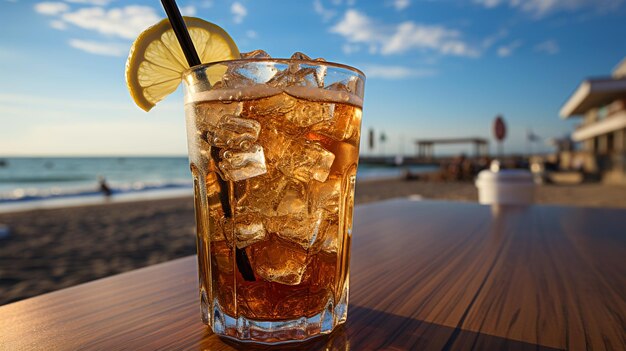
{"points": [[56, 248]]}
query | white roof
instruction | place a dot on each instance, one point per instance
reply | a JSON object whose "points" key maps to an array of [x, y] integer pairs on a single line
{"points": [[593, 93], [605, 126]]}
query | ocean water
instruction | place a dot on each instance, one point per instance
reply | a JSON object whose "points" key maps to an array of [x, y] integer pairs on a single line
{"points": [[27, 179], [24, 179]]}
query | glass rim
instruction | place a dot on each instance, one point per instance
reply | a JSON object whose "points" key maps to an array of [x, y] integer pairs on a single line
{"points": [[278, 60]]}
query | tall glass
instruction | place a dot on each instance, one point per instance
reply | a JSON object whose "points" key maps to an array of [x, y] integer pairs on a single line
{"points": [[273, 147]]}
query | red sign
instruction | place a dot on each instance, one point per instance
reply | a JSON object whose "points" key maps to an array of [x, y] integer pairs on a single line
{"points": [[499, 128]]}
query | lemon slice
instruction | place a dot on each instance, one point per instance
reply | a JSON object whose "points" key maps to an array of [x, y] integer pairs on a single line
{"points": [[156, 61]]}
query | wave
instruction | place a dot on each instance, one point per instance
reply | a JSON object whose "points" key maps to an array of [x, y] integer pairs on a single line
{"points": [[46, 179], [24, 195]]}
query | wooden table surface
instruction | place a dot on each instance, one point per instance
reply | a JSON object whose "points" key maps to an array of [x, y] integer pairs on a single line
{"points": [[424, 276]]}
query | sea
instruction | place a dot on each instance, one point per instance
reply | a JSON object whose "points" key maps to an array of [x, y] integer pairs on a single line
{"points": [[33, 182]]}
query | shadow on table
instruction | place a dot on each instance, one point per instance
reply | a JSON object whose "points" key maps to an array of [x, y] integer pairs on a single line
{"points": [[369, 329]]}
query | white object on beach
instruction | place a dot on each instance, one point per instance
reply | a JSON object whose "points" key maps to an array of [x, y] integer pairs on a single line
{"points": [[505, 187]]}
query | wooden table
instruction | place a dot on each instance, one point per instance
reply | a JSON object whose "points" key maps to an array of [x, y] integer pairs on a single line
{"points": [[425, 276]]}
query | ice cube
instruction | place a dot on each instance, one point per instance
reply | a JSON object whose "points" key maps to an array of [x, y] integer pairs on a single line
{"points": [[276, 142], [293, 201], [328, 235], [234, 133], [320, 73], [249, 233], [355, 86], [263, 193], [234, 77], [305, 161], [300, 56], [346, 157], [292, 220], [255, 54], [308, 77], [294, 67], [294, 76], [307, 113], [222, 264], [303, 230], [240, 165], [247, 228], [274, 106], [213, 192], [325, 196], [344, 124], [208, 115], [330, 238], [338, 86], [299, 74], [222, 259], [278, 261]]}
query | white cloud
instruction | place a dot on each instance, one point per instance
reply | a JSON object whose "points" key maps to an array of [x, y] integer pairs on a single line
{"points": [[319, 8], [99, 48], [339, 2], [239, 12], [350, 48], [507, 50], [394, 72], [206, 4], [410, 35], [358, 28], [541, 8], [189, 10], [549, 47], [251, 34], [488, 3], [90, 2], [124, 22], [60, 25], [51, 8], [492, 39], [401, 4]]}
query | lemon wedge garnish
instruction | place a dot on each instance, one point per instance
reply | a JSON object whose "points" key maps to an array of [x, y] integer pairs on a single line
{"points": [[156, 62]]}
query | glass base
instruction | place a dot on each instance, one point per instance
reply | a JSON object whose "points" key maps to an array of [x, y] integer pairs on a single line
{"points": [[243, 329]]}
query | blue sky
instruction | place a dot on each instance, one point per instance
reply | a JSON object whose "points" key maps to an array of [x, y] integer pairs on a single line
{"points": [[436, 68]]}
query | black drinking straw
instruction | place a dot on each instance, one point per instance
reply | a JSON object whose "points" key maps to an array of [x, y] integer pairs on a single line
{"points": [[182, 34], [184, 39]]}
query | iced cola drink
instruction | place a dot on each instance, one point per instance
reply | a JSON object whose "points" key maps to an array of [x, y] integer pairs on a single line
{"points": [[273, 148]]}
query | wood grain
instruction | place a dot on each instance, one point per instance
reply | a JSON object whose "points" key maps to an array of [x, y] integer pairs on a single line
{"points": [[424, 276]]}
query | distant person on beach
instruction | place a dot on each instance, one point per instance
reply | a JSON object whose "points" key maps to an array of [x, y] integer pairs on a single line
{"points": [[4, 231], [104, 187]]}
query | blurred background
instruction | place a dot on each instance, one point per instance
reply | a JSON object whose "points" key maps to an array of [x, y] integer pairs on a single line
{"points": [[439, 72]]}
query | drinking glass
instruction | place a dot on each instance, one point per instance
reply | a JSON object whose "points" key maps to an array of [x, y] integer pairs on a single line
{"points": [[273, 149]]}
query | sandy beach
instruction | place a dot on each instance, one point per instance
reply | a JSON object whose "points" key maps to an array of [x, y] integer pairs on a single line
{"points": [[56, 248]]}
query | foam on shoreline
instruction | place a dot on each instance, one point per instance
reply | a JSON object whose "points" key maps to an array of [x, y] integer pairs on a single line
{"points": [[94, 199]]}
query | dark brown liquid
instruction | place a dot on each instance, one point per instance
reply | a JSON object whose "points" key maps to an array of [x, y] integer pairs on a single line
{"points": [[291, 217]]}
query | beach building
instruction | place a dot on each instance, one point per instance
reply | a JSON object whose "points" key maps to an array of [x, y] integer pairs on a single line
{"points": [[601, 104]]}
